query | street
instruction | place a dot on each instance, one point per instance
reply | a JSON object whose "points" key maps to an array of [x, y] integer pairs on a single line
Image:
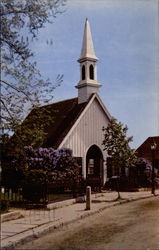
{"points": [[130, 226]]}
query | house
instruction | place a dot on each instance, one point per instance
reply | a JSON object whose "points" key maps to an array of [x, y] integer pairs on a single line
{"points": [[77, 123], [145, 151]]}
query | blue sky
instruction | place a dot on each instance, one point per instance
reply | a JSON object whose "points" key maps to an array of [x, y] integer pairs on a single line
{"points": [[126, 41]]}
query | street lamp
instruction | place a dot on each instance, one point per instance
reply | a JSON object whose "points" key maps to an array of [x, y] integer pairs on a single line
{"points": [[153, 147]]}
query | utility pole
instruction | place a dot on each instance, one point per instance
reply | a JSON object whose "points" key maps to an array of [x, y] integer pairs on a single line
{"points": [[153, 147]]}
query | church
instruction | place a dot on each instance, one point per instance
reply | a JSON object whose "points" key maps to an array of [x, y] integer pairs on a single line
{"points": [[78, 122]]}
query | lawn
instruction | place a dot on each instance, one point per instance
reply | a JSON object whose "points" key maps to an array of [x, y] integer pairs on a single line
{"points": [[59, 197]]}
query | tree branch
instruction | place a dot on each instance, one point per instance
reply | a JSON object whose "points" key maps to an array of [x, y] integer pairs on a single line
{"points": [[18, 90], [24, 11], [8, 111], [23, 53]]}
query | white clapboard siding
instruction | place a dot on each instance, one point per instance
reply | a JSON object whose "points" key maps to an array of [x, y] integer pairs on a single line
{"points": [[88, 131]]}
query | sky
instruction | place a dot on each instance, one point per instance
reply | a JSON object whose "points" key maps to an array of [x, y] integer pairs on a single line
{"points": [[126, 40]]}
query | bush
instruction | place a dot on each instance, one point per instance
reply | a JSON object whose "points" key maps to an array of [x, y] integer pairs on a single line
{"points": [[34, 193], [47, 166], [34, 188], [4, 205], [123, 183]]}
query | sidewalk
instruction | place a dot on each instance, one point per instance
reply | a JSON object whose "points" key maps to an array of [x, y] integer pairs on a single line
{"points": [[38, 222]]}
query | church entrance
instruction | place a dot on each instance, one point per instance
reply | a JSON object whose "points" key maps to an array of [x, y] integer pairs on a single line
{"points": [[94, 167]]}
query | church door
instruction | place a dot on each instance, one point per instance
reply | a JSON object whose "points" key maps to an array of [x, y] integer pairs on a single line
{"points": [[94, 167]]}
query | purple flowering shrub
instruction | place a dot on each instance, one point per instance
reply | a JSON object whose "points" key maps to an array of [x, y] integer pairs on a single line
{"points": [[144, 162], [54, 164], [49, 168]]}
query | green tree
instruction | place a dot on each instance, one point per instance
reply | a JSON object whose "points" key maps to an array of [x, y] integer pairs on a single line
{"points": [[116, 142], [22, 85]]}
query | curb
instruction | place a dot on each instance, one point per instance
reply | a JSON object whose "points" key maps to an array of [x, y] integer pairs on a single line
{"points": [[60, 204], [11, 216], [69, 202], [44, 229]]}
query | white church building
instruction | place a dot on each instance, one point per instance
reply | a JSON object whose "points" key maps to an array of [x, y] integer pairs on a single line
{"points": [[78, 122]]}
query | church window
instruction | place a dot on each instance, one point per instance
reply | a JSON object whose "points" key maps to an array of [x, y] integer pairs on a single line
{"points": [[91, 167], [91, 72], [83, 73]]}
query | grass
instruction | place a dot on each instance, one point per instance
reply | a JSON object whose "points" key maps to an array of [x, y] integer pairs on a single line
{"points": [[59, 197], [13, 197], [17, 200], [4, 212]]}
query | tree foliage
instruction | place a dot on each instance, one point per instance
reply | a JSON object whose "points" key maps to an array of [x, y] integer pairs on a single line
{"points": [[22, 85], [33, 130], [116, 142]]}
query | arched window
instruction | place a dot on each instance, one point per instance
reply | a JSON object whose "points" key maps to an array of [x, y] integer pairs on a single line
{"points": [[83, 73], [91, 72]]}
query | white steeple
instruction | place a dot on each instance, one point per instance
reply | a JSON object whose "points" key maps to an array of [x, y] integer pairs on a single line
{"points": [[88, 83], [87, 46]]}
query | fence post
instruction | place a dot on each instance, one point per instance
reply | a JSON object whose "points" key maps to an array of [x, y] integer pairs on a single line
{"points": [[88, 198], [10, 194]]}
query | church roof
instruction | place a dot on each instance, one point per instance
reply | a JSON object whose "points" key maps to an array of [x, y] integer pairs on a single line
{"points": [[87, 46], [64, 114], [67, 113]]}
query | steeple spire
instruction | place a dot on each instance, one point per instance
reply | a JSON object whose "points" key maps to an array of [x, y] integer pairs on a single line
{"points": [[87, 46], [88, 83]]}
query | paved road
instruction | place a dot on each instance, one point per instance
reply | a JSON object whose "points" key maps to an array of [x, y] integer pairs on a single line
{"points": [[130, 226]]}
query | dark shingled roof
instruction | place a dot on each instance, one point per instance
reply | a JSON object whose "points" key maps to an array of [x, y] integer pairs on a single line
{"points": [[144, 150], [64, 113], [54, 119]]}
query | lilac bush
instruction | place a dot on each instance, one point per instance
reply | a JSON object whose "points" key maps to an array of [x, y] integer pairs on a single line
{"points": [[55, 164], [144, 162], [42, 158]]}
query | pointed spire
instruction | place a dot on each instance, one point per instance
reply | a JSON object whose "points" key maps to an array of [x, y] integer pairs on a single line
{"points": [[88, 83], [87, 46]]}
